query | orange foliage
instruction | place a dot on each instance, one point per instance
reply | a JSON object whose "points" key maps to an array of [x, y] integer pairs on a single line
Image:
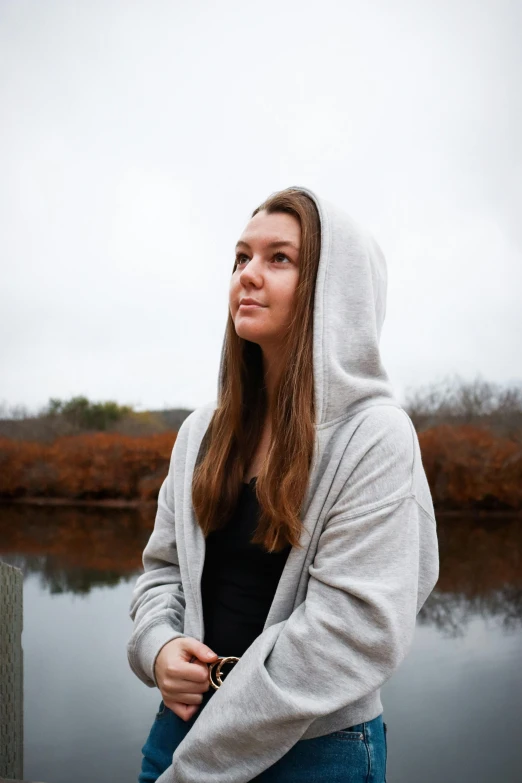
{"points": [[91, 466], [470, 467], [467, 467]]}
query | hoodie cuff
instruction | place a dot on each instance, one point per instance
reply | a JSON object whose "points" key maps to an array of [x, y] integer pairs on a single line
{"points": [[148, 646]]}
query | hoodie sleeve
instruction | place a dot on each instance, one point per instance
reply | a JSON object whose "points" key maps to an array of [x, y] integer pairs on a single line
{"points": [[373, 569], [158, 603]]}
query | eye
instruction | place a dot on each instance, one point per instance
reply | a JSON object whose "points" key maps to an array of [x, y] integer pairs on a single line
{"points": [[240, 257], [281, 255]]}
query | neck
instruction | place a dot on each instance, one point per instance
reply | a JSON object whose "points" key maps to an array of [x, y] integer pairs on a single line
{"points": [[272, 372]]}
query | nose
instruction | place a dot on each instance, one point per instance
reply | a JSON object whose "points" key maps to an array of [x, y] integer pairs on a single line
{"points": [[252, 272]]}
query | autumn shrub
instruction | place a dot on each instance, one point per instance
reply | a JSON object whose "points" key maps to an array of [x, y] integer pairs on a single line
{"points": [[467, 467], [470, 467], [89, 466]]}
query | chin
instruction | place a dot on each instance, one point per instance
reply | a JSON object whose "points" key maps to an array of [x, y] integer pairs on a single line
{"points": [[251, 332], [252, 335], [245, 334]]}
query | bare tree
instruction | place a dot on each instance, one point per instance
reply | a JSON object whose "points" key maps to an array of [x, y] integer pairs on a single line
{"points": [[454, 400]]}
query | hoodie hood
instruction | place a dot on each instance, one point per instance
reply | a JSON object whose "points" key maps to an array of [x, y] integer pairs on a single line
{"points": [[349, 310]]}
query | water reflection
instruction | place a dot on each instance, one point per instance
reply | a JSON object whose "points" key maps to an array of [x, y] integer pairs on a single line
{"points": [[86, 715], [55, 579], [452, 613], [480, 573], [73, 550]]}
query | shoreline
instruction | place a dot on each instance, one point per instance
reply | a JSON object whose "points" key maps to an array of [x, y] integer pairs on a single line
{"points": [[107, 503], [137, 503]]}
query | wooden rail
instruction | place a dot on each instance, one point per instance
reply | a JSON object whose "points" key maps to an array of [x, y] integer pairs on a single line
{"points": [[11, 673], [11, 780]]}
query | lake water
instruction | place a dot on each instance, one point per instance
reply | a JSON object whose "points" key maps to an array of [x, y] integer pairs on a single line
{"points": [[453, 708]]}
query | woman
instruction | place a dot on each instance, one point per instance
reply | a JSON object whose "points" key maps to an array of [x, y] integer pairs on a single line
{"points": [[295, 529]]}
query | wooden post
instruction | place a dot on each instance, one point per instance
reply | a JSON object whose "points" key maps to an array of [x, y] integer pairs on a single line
{"points": [[11, 672]]}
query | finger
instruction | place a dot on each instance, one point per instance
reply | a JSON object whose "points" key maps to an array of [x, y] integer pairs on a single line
{"points": [[195, 672], [188, 698], [192, 647], [184, 711], [188, 686]]}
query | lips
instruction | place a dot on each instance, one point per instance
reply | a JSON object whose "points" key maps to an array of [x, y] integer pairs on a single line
{"points": [[250, 303]]}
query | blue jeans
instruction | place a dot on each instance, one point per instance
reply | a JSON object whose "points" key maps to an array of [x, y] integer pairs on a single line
{"points": [[353, 755]]}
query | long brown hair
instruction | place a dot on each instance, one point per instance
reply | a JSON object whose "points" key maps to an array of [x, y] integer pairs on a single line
{"points": [[237, 423]]}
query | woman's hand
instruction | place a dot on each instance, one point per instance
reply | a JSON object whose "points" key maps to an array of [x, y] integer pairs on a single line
{"points": [[182, 674]]}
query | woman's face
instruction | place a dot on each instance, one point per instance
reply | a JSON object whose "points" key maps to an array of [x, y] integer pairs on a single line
{"points": [[267, 270]]}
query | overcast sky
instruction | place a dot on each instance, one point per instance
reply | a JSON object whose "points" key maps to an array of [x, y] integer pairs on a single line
{"points": [[137, 137]]}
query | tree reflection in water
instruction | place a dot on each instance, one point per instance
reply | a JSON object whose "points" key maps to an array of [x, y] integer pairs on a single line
{"points": [[480, 572], [452, 612], [76, 549]]}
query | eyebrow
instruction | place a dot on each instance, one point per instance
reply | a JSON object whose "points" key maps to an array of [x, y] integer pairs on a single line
{"points": [[271, 245]]}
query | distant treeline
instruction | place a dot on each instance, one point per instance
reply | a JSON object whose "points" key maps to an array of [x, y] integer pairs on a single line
{"points": [[470, 436], [79, 415], [479, 403]]}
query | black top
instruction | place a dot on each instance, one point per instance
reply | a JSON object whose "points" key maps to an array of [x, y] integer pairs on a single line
{"points": [[239, 580]]}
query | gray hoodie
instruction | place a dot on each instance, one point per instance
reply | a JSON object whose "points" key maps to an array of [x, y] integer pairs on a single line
{"points": [[343, 615]]}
